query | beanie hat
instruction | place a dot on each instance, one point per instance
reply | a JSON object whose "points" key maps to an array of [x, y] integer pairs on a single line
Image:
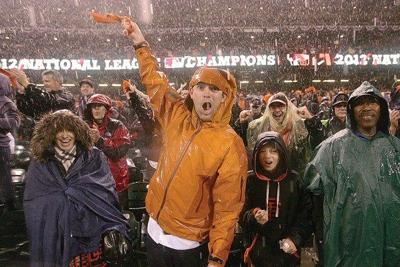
{"points": [[100, 99]]}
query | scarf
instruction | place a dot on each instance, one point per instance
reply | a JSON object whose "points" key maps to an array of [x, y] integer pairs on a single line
{"points": [[65, 157]]}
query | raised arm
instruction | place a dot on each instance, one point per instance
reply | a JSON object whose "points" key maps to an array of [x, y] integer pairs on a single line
{"points": [[164, 100]]}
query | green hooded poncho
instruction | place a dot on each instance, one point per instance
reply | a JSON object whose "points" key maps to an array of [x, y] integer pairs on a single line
{"points": [[360, 181]]}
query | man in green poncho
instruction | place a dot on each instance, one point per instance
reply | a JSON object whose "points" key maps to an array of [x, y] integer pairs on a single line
{"points": [[357, 171]]}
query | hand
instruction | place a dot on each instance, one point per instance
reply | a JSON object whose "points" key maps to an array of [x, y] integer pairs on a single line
{"points": [[95, 134], [131, 30], [394, 118], [245, 116], [132, 88], [261, 216], [287, 246], [129, 88], [22, 79], [304, 113], [115, 247]]}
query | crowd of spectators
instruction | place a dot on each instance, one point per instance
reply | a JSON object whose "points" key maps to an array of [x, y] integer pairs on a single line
{"points": [[107, 46], [203, 13], [63, 29]]}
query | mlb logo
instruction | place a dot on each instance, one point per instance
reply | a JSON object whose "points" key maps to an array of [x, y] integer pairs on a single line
{"points": [[174, 62], [298, 59]]}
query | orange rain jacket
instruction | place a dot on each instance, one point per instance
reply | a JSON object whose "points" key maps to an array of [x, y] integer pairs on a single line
{"points": [[198, 189]]}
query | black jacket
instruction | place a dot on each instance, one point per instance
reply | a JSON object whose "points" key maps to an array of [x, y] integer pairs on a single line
{"points": [[36, 102], [293, 219], [319, 130]]}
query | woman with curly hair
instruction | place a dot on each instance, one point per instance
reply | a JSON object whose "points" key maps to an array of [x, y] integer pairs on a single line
{"points": [[71, 208]]}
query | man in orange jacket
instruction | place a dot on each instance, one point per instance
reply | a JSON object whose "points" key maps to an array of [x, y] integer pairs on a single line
{"points": [[197, 191]]}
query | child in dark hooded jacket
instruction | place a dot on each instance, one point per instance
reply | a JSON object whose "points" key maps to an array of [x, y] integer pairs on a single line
{"points": [[277, 211]]}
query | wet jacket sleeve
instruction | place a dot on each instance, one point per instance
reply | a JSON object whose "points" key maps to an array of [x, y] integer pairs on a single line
{"points": [[316, 131], [164, 100], [319, 170], [228, 196], [117, 146], [36, 102], [241, 129], [9, 118], [143, 112], [302, 227]]}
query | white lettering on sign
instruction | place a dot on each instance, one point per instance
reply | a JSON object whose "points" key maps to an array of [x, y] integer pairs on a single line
{"points": [[189, 62]]}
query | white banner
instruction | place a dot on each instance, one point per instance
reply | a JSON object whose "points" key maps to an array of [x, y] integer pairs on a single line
{"points": [[128, 64], [188, 62]]}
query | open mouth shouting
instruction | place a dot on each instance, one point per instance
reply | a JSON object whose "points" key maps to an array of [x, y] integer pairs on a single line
{"points": [[206, 107], [268, 157], [206, 99], [268, 164]]}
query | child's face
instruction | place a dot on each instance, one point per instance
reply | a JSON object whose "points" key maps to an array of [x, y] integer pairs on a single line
{"points": [[268, 157]]}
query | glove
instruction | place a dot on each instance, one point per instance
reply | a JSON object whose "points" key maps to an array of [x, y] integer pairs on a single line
{"points": [[115, 247]]}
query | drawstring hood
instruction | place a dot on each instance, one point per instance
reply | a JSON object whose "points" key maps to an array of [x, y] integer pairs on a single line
{"points": [[281, 170], [367, 89], [278, 191]]}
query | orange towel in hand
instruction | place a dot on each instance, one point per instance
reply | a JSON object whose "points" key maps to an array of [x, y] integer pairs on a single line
{"points": [[109, 18], [105, 18]]}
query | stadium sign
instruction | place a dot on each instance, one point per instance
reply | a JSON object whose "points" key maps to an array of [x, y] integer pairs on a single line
{"points": [[219, 61], [130, 64], [211, 61]]}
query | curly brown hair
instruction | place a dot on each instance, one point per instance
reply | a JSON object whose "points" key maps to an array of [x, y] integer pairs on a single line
{"points": [[44, 136]]}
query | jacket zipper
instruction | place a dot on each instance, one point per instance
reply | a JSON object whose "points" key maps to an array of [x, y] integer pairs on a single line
{"points": [[175, 170]]}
